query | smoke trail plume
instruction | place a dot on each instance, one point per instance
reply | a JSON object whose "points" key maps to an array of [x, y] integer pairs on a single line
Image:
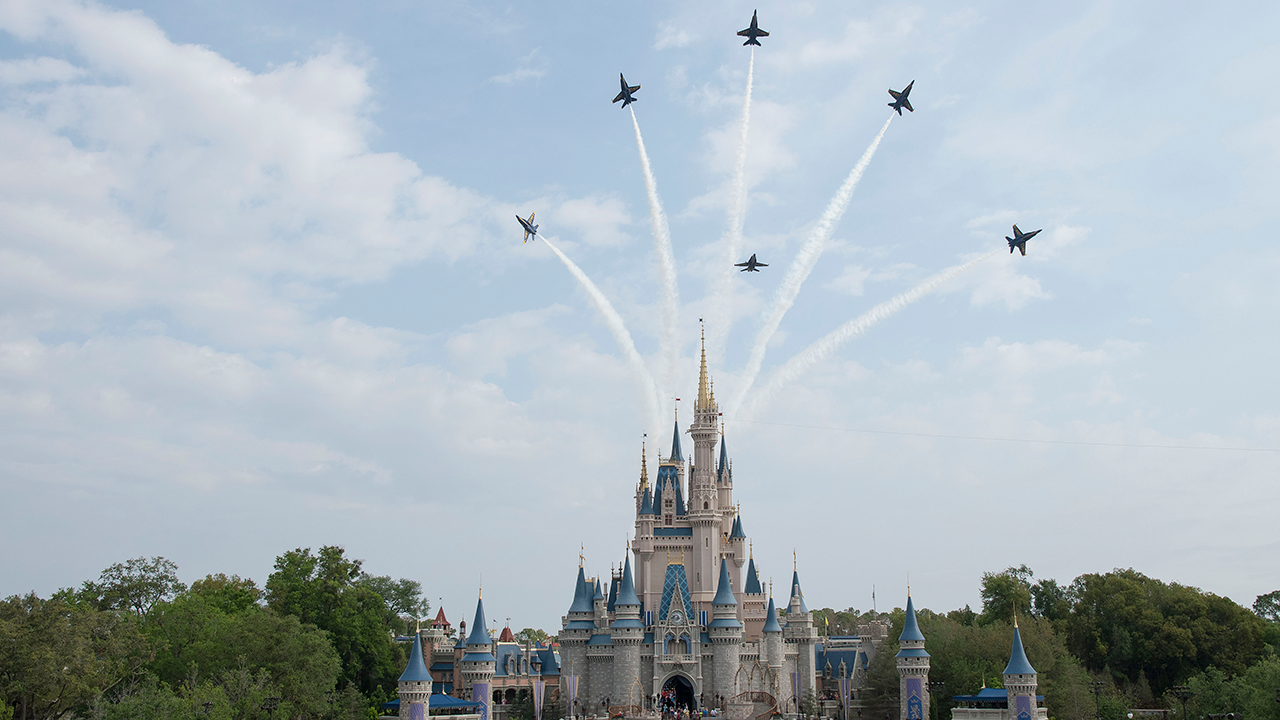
{"points": [[720, 310], [648, 388], [803, 265], [823, 348], [669, 336]]}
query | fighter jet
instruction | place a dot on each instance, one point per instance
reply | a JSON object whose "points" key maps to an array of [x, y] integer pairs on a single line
{"points": [[626, 95], [900, 99], [750, 265], [530, 230], [1019, 239], [752, 32]]}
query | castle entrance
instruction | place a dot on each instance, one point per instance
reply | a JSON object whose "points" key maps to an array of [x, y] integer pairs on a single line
{"points": [[677, 694]]}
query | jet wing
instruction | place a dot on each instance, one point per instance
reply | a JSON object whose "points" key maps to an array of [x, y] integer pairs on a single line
{"points": [[621, 95], [896, 95], [633, 89], [760, 264], [1016, 232], [741, 264], [745, 33], [907, 104], [761, 33], [531, 217]]}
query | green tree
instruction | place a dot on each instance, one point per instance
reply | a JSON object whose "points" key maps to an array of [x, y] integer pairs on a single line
{"points": [[322, 589], [1134, 627], [1006, 594], [56, 656], [532, 635], [1049, 600], [135, 585], [1251, 693], [230, 595]]}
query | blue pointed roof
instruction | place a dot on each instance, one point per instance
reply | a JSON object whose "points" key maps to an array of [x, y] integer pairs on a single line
{"points": [[676, 455], [752, 585], [675, 480], [795, 590], [613, 593], [1018, 663], [771, 618], [737, 529], [627, 590], [724, 594], [416, 670], [675, 584], [723, 468], [599, 591], [910, 629], [646, 503], [657, 491], [479, 635], [581, 601]]}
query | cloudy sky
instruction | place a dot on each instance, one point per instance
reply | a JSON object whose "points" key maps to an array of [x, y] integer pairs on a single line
{"points": [[262, 288]]}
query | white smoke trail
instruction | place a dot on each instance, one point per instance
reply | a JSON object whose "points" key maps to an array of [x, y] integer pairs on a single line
{"points": [[644, 379], [721, 301], [669, 335], [824, 347], [802, 266]]}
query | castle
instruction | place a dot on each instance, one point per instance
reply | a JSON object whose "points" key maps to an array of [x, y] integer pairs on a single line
{"points": [[685, 626]]}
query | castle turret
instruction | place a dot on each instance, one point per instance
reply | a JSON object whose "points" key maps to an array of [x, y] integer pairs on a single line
{"points": [[478, 664], [913, 669], [577, 628], [753, 602], [726, 634], [627, 634], [705, 513], [772, 632], [804, 636], [415, 685], [1020, 681]]}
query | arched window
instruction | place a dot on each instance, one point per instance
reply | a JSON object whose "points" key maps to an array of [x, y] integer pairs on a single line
{"points": [[705, 505], [666, 643]]}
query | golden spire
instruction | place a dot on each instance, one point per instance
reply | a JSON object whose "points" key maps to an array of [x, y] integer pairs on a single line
{"points": [[644, 469], [704, 390], [1015, 618], [751, 549], [581, 555]]}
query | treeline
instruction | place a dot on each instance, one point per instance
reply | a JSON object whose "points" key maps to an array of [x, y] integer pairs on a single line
{"points": [[316, 641], [1104, 644]]}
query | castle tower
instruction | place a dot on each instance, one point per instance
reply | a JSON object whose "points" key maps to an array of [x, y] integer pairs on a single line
{"points": [[726, 634], [577, 628], [804, 636], [627, 634], [753, 602], [478, 664], [913, 669], [415, 685], [705, 513], [1020, 681], [772, 632]]}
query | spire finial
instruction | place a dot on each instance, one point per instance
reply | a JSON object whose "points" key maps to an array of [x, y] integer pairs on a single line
{"points": [[581, 555], [795, 564], [1015, 618], [644, 466], [704, 388], [751, 549]]}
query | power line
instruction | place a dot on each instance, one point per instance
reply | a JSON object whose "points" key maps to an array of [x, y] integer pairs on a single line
{"points": [[1012, 440]]}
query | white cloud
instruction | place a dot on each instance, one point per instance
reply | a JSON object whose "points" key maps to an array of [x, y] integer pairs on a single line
{"points": [[851, 281], [669, 36], [37, 70], [598, 219]]}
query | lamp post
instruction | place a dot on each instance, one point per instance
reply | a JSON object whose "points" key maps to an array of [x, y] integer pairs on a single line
{"points": [[1096, 687], [1183, 693], [935, 686]]}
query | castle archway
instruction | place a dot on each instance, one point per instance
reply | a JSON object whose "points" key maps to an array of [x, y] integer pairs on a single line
{"points": [[677, 693]]}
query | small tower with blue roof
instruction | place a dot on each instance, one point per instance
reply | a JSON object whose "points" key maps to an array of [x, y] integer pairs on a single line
{"points": [[913, 669], [803, 636], [725, 629], [1020, 681], [415, 684], [753, 601], [478, 665], [627, 634]]}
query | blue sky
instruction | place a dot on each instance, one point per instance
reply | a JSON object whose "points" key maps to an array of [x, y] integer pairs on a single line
{"points": [[262, 288]]}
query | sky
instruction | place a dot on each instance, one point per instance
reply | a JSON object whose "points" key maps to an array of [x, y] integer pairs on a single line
{"points": [[262, 287]]}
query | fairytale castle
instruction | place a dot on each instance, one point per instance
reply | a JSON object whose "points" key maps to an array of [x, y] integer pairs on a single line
{"points": [[682, 625]]}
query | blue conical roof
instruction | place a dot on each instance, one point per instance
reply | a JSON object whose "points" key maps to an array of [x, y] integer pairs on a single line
{"points": [[723, 468], [581, 600], [676, 455], [646, 503], [675, 480], [910, 630], [1018, 663], [771, 618], [795, 590], [752, 584], [724, 594], [416, 670], [479, 635], [599, 591], [613, 593], [737, 529], [627, 591]]}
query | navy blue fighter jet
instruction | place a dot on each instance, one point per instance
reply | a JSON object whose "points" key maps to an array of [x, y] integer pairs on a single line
{"points": [[752, 32], [625, 96], [1019, 239], [900, 99], [750, 265], [530, 230]]}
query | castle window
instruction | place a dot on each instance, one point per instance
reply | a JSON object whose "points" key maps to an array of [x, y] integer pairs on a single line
{"points": [[705, 505]]}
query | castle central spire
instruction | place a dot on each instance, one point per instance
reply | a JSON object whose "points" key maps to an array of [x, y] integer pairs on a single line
{"points": [[704, 384]]}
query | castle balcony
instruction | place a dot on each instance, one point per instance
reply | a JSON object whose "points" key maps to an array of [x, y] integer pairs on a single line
{"points": [[676, 659]]}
